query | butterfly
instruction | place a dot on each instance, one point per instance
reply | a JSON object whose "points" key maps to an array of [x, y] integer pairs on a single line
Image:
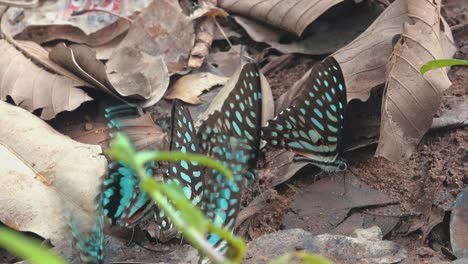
{"points": [[240, 115], [232, 135], [123, 202], [87, 244], [185, 174], [312, 127]]}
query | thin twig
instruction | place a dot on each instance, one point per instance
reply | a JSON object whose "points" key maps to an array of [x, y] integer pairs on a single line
{"points": [[222, 32]]}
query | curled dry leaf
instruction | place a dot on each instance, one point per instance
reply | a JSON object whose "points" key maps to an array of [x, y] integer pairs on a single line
{"points": [[326, 35], [293, 16], [139, 85], [42, 173], [189, 87], [88, 125], [203, 40], [52, 20], [41, 89], [364, 60], [218, 101], [411, 99]]}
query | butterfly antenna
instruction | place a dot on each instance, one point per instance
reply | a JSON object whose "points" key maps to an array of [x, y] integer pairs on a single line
{"points": [[243, 55], [222, 32], [317, 175]]}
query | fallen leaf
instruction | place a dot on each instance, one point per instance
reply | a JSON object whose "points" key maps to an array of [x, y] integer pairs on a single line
{"points": [[218, 101], [364, 60], [88, 125], [293, 16], [42, 89], [411, 99], [326, 35], [138, 85], [455, 114], [52, 20], [332, 203], [208, 8], [43, 173], [204, 37], [256, 206], [385, 217], [280, 167], [161, 30], [189, 87]]}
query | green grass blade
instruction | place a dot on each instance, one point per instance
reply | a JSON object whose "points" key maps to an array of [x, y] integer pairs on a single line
{"points": [[434, 64], [27, 248]]}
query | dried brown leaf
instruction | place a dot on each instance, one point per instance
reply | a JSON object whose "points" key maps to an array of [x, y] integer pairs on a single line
{"points": [[161, 30], [52, 20], [43, 174], [88, 125], [364, 60], [189, 87], [140, 84], [326, 35], [411, 99], [293, 16], [40, 89], [204, 38]]}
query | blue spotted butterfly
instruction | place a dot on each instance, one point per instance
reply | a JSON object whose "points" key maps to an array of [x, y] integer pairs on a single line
{"points": [[312, 126], [187, 175], [123, 203], [240, 115], [232, 136], [87, 244]]}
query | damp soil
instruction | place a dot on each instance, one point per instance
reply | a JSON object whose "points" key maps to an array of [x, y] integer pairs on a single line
{"points": [[430, 179]]}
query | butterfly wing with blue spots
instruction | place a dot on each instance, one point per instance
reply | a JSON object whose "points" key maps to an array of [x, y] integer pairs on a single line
{"points": [[87, 244], [123, 202], [188, 175], [240, 115], [222, 197], [312, 126]]}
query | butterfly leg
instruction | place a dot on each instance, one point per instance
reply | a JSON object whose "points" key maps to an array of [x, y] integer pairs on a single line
{"points": [[131, 238], [344, 184], [317, 175]]}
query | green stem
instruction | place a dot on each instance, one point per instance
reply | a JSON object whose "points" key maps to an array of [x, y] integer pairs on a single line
{"points": [[190, 233], [145, 157]]}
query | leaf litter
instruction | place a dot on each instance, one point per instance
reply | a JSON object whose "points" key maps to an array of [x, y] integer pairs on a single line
{"points": [[144, 62]]}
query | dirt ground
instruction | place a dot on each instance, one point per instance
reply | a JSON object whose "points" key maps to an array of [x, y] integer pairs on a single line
{"points": [[425, 185]]}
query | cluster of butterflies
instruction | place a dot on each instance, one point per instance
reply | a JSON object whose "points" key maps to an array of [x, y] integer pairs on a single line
{"points": [[311, 127]]}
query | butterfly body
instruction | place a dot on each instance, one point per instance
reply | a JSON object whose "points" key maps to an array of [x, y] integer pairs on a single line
{"points": [[312, 127]]}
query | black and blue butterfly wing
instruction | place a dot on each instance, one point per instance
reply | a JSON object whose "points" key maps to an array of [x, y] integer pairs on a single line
{"points": [[184, 139], [188, 175], [123, 202], [87, 244], [313, 125], [241, 114], [222, 197]]}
